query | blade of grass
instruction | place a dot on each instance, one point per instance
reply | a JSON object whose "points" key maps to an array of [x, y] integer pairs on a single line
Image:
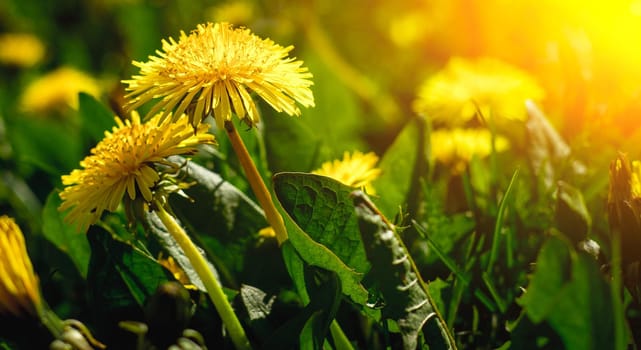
{"points": [[499, 222]]}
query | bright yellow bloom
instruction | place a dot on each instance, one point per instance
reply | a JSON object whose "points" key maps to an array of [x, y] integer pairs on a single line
{"points": [[452, 95], [214, 69], [23, 50], [58, 89], [124, 161], [356, 170], [19, 289], [455, 148]]}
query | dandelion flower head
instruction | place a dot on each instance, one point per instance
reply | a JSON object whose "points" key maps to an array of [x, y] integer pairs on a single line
{"points": [[456, 147], [356, 169], [19, 289], [215, 69], [18, 49], [58, 89], [124, 162], [453, 95]]}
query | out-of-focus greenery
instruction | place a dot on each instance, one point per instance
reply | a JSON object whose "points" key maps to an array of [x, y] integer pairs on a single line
{"points": [[499, 239]]}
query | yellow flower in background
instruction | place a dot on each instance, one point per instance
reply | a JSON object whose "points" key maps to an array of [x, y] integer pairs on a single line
{"points": [[179, 274], [455, 148], [356, 169], [452, 95], [237, 12], [58, 89], [624, 206], [215, 68], [23, 50], [19, 289], [124, 161]]}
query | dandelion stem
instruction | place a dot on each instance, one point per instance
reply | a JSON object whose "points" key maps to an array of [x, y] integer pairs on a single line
{"points": [[215, 291], [274, 218], [51, 321]]}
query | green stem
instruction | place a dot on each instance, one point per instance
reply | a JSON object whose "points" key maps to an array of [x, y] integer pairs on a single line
{"points": [[257, 184], [340, 339], [51, 321], [215, 291]]}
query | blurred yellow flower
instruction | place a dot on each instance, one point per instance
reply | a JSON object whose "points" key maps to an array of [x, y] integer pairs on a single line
{"points": [[214, 69], [452, 95], [124, 161], [237, 12], [179, 274], [19, 289], [624, 206], [356, 170], [23, 50], [58, 89], [456, 147]]}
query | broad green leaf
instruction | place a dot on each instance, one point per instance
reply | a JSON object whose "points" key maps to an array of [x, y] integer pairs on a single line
{"points": [[119, 274], [64, 235], [571, 214], [407, 300], [323, 228], [316, 254], [96, 118], [558, 293], [397, 179], [553, 267], [323, 209]]}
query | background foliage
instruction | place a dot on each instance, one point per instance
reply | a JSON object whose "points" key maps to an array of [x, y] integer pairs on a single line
{"points": [[498, 245]]}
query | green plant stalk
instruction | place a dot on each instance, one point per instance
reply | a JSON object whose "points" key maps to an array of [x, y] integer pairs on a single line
{"points": [[51, 321], [615, 292], [215, 291], [257, 184]]}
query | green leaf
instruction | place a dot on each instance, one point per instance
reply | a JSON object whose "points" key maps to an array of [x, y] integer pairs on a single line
{"points": [[407, 300], [65, 236], [553, 268], [395, 184], [96, 118], [558, 294], [571, 214], [119, 274], [322, 208], [324, 229]]}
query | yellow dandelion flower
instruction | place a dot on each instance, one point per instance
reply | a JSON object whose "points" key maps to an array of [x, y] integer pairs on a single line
{"points": [[455, 148], [19, 289], [58, 89], [452, 95], [23, 50], [214, 69], [356, 170], [124, 161]]}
